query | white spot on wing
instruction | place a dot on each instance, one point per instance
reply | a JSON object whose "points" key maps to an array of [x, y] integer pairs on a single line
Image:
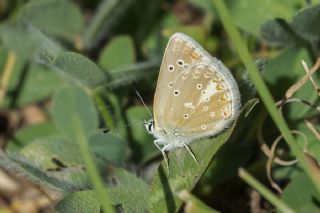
{"points": [[209, 91], [189, 105]]}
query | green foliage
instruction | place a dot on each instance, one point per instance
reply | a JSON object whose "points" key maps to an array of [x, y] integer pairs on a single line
{"points": [[68, 180], [303, 27], [249, 17], [301, 194], [119, 52], [27, 41], [79, 68], [183, 172], [68, 104], [50, 16], [27, 134], [79, 62], [79, 202], [193, 204]]}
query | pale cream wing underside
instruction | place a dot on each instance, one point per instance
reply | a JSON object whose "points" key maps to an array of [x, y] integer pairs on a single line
{"points": [[199, 96], [180, 53]]}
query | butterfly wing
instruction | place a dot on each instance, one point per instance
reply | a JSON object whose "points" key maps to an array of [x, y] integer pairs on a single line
{"points": [[199, 99], [208, 102], [180, 53]]}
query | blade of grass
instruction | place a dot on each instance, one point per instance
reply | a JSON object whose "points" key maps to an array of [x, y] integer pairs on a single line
{"points": [[261, 87], [6, 75], [99, 188], [104, 111], [266, 193]]}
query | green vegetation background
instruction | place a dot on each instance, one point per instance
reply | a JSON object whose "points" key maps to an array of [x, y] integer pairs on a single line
{"points": [[79, 63]]}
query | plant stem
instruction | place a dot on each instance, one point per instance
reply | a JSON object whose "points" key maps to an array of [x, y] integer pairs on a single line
{"points": [[104, 111], [254, 183], [6, 75], [262, 89], [99, 187]]}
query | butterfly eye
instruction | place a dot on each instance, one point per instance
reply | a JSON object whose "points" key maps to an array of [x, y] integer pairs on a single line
{"points": [[149, 125]]}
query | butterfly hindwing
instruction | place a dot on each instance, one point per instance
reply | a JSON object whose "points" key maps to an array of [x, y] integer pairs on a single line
{"points": [[196, 95], [202, 102]]}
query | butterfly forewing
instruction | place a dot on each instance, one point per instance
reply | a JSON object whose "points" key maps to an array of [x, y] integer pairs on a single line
{"points": [[181, 52]]}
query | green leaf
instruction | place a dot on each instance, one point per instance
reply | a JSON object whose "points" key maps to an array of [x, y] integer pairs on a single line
{"points": [[283, 71], [67, 180], [232, 155], [53, 152], [306, 23], [312, 144], [79, 68], [184, 172], [301, 195], [130, 192], [193, 204], [277, 32], [57, 17], [104, 19], [75, 116], [26, 135], [143, 148], [79, 202], [74, 111], [118, 52], [131, 73], [28, 42], [37, 77], [249, 17], [108, 147]]}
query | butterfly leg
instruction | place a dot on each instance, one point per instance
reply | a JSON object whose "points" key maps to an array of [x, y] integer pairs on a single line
{"points": [[191, 153], [163, 151], [165, 156]]}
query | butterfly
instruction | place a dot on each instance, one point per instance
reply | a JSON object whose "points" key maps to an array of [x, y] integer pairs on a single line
{"points": [[196, 97]]}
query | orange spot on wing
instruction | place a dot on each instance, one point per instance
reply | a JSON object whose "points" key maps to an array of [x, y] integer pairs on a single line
{"points": [[195, 56]]}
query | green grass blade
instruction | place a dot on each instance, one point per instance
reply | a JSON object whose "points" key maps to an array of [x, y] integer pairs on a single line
{"points": [[75, 116], [249, 179], [262, 88]]}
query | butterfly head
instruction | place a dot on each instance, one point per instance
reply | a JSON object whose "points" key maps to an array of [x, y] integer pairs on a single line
{"points": [[149, 125]]}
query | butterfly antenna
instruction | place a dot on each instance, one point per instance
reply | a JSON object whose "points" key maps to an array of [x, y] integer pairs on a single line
{"points": [[123, 126], [144, 104]]}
